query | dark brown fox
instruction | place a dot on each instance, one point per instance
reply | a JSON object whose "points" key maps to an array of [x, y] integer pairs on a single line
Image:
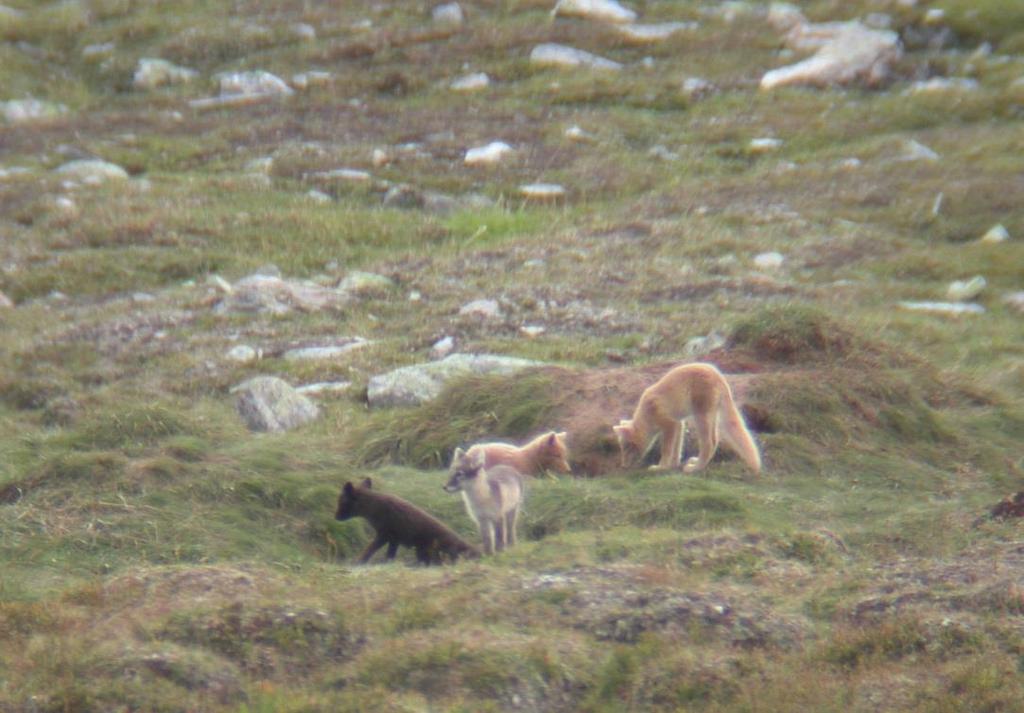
{"points": [[399, 522]]}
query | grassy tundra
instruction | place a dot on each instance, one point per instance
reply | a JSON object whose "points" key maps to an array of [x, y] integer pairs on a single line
{"points": [[158, 556]]}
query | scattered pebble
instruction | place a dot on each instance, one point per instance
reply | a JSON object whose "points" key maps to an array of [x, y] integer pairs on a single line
{"points": [[531, 330], [487, 155], [646, 34], [324, 387], [312, 78], [471, 82], [151, 73], [5, 302], [318, 196], [23, 111], [555, 55], [764, 145], [94, 53], [442, 348], [934, 16], [954, 308], [448, 14], [575, 133], [850, 164], [542, 191], [244, 354], [331, 351], [996, 234], [489, 309], [602, 10], [769, 260], [914, 150], [694, 87], [962, 290], [304, 31], [1015, 300], [93, 171], [942, 84]]}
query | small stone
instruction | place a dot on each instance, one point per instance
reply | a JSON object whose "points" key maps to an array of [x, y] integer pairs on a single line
{"points": [[764, 145], [94, 53], [532, 331], [662, 152], [442, 348], [555, 55], [143, 297], [647, 34], [93, 171], [220, 283], [263, 165], [5, 302], [267, 403], [962, 290], [318, 196], [1015, 300], [65, 205], [330, 387], [448, 14], [366, 284], [487, 155], [243, 354], [850, 164], [694, 87], [312, 78], [936, 85], [783, 16], [471, 82], [151, 73], [380, 158], [698, 346], [415, 296], [346, 175], [23, 111], [996, 234], [332, 351], [952, 308], [769, 260], [601, 10], [542, 191], [256, 83], [934, 16], [488, 309], [575, 133], [878, 20], [303, 31], [916, 151]]}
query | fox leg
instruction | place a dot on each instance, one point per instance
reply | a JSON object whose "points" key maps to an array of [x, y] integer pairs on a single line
{"points": [[377, 543], [671, 445], [487, 534], [392, 550], [706, 425], [510, 525], [499, 533]]}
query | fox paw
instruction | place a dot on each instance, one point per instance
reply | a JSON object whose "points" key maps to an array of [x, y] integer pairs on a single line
{"points": [[692, 465]]}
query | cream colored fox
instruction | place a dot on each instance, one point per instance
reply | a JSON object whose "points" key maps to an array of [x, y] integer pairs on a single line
{"points": [[545, 452], [695, 391], [492, 497]]}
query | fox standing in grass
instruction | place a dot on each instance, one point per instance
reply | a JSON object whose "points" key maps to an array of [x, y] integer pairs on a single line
{"points": [[492, 497], [399, 522], [695, 391], [545, 452]]}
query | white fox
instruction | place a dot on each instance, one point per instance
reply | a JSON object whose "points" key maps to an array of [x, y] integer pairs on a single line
{"points": [[492, 496]]}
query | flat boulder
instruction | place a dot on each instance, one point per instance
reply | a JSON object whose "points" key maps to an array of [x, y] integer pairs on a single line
{"points": [[419, 383], [270, 404], [845, 53]]}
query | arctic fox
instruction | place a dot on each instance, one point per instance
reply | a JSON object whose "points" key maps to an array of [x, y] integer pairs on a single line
{"points": [[492, 497], [695, 391]]}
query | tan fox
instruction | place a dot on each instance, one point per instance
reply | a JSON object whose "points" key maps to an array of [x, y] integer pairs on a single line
{"points": [[545, 452], [492, 497], [695, 391]]}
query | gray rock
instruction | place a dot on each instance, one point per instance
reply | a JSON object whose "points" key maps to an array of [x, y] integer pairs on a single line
{"points": [[442, 348], [266, 294], [5, 301], [1015, 300], [448, 14], [488, 309], [97, 52], [554, 55], [257, 83], [996, 234], [244, 354], [845, 53], [151, 73], [93, 171], [601, 10], [916, 151], [962, 290], [304, 31], [321, 387], [413, 385], [312, 78], [25, 111], [699, 346], [267, 403], [318, 196], [953, 308], [366, 284], [695, 87], [471, 82], [769, 261], [487, 155], [331, 351], [649, 34], [404, 196], [936, 85]]}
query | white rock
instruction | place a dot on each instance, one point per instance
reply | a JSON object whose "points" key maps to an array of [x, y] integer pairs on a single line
{"points": [[1015, 300], [442, 348], [263, 164], [366, 284], [93, 171], [65, 205], [5, 302], [267, 403], [324, 387], [353, 175], [846, 52], [220, 284], [256, 83], [312, 78], [663, 153], [696, 86], [332, 351], [878, 20], [783, 16], [555, 55], [487, 155], [575, 133], [954, 308], [542, 191], [380, 158], [96, 52], [850, 164], [936, 85], [698, 346], [764, 145], [23, 111], [318, 196], [531, 331], [243, 354], [962, 290], [916, 151], [934, 16], [769, 260], [602, 10], [448, 14], [646, 34], [418, 383], [304, 31], [996, 234], [151, 73], [489, 309], [471, 82]]}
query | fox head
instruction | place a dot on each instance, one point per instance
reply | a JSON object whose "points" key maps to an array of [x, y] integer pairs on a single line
{"points": [[554, 454], [630, 449], [348, 501], [464, 469]]}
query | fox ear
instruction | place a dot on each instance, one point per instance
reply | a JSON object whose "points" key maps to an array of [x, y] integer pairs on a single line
{"points": [[367, 484], [478, 459], [458, 455], [553, 439], [347, 489]]}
